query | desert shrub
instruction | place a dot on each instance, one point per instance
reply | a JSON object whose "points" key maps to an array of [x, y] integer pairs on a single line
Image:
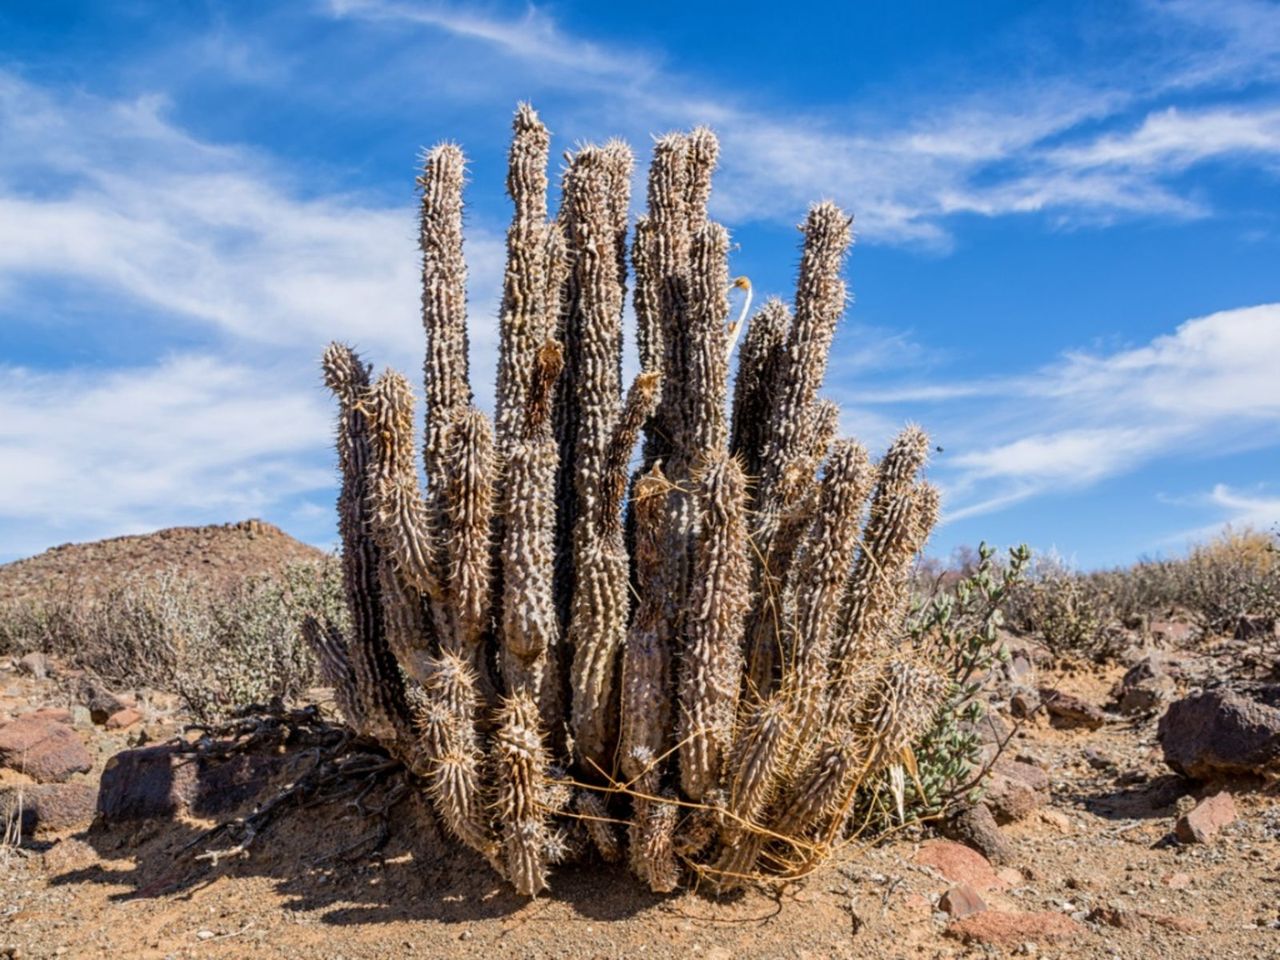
{"points": [[962, 621], [1231, 577], [1070, 612], [218, 649]]}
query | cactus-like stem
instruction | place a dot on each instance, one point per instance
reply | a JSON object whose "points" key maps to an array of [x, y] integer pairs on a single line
{"points": [[600, 606], [711, 670], [708, 370], [759, 362], [819, 303], [526, 322], [455, 781], [758, 760], [879, 584], [521, 764], [468, 501], [379, 690], [444, 308], [529, 628], [645, 709], [594, 817], [821, 574]]}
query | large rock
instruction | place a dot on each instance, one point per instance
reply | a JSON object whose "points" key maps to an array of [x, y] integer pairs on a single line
{"points": [[976, 827], [959, 864], [35, 665], [163, 782], [1015, 790], [1224, 732], [48, 808], [1148, 684], [1202, 822], [1069, 711], [43, 749]]}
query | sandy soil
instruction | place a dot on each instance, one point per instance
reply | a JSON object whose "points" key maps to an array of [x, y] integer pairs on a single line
{"points": [[1101, 851]]}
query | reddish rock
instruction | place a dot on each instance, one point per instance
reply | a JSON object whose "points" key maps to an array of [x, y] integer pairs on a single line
{"points": [[123, 718], [1181, 924], [56, 714], [161, 782], [1068, 711], [999, 928], [1202, 823], [1024, 704], [961, 901], [45, 750], [1223, 732], [1176, 881], [48, 808], [1115, 916], [1015, 790], [959, 864], [976, 826]]}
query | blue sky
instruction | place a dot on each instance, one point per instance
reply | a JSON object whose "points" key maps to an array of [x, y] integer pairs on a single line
{"points": [[1068, 222]]}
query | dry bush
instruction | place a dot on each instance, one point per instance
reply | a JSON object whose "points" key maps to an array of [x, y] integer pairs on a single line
{"points": [[218, 649]]}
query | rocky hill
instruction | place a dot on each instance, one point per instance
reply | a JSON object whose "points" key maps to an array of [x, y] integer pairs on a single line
{"points": [[218, 554]]}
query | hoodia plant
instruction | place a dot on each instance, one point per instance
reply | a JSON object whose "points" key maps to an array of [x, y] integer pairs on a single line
{"points": [[664, 621]]}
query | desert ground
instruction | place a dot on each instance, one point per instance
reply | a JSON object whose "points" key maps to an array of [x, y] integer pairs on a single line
{"points": [[1100, 849]]}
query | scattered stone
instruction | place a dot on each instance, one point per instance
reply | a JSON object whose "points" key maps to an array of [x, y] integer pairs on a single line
{"points": [[1023, 704], [959, 864], [35, 665], [1251, 627], [1098, 760], [45, 750], [999, 928], [1068, 711], [122, 719], [976, 826], [1224, 732], [1113, 915], [1203, 822], [961, 901], [1172, 633], [102, 705], [1015, 790], [1180, 924], [1176, 881], [160, 782], [48, 808]]}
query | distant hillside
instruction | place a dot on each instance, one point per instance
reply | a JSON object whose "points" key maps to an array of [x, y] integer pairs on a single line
{"points": [[217, 555]]}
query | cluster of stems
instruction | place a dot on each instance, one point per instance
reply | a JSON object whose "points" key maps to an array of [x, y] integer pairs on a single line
{"points": [[663, 622]]}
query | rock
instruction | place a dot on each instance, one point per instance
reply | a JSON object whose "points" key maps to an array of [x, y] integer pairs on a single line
{"points": [[1016, 789], [69, 854], [958, 864], [123, 718], [161, 782], [48, 807], [1180, 924], [45, 750], [80, 716], [976, 827], [961, 901], [1023, 704], [1068, 711], [1223, 732], [56, 714], [1098, 760], [35, 665], [1203, 822], [102, 705], [999, 928], [1176, 881], [1114, 915], [1148, 684]]}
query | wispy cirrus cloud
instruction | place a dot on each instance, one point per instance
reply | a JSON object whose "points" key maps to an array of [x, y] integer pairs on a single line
{"points": [[1084, 145], [1209, 388]]}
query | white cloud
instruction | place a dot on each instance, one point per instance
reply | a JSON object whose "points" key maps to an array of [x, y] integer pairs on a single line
{"points": [[1085, 145], [212, 234], [1207, 388], [189, 439]]}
